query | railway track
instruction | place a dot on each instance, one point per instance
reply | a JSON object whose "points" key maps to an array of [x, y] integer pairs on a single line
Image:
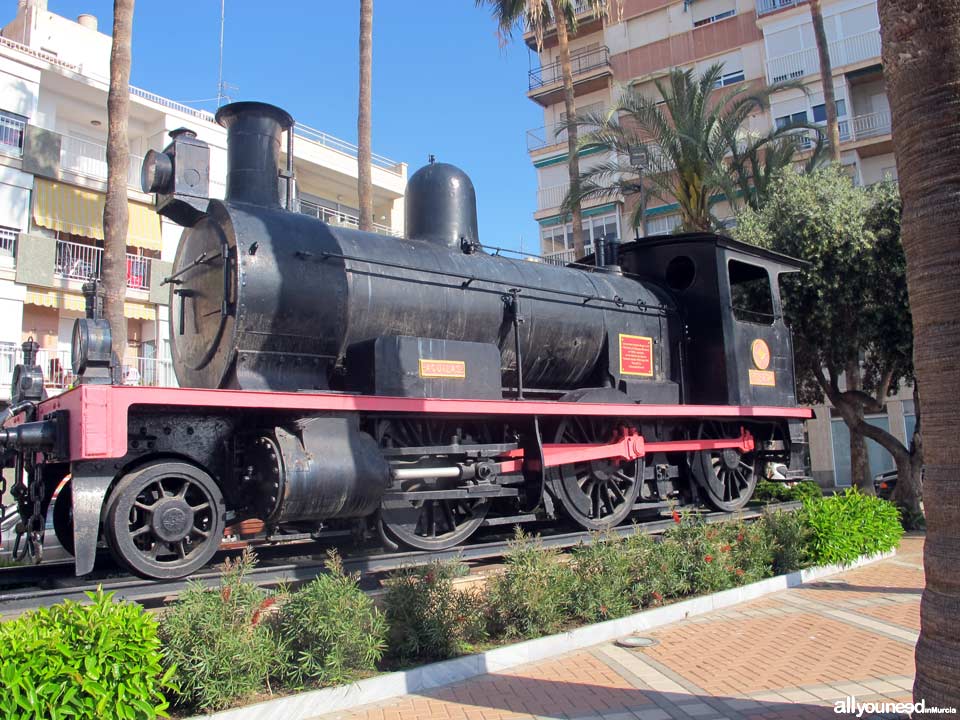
{"points": [[271, 572]]}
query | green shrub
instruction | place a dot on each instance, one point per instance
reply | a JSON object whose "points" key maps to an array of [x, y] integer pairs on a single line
{"points": [[330, 630], [83, 661], [791, 538], [219, 642], [844, 527], [428, 618], [602, 580], [530, 597], [775, 491]]}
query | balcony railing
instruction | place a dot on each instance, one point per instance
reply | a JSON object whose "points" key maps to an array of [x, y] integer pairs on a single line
{"points": [[76, 261], [89, 159], [552, 197], [845, 51], [546, 136], [336, 217], [768, 6], [8, 242], [579, 64], [11, 135], [58, 374], [871, 125], [561, 257]]}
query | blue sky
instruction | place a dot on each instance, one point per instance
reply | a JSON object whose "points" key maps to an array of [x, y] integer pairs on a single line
{"points": [[441, 82]]}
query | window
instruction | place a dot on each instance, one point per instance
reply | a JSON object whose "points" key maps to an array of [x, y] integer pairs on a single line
{"points": [[714, 18], [662, 224], [11, 132], [820, 111], [559, 238], [750, 296], [730, 78], [797, 117]]}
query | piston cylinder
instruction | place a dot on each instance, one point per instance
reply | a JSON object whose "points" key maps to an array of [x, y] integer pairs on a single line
{"points": [[322, 468]]}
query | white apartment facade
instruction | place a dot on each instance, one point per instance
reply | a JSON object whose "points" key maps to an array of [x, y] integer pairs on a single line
{"points": [[53, 91], [759, 42]]}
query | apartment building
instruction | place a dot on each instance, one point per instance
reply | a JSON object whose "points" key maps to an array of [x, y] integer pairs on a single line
{"points": [[760, 42], [54, 75]]}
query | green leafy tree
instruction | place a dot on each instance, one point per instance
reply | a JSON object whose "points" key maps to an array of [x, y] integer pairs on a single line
{"points": [[848, 309], [677, 146], [538, 16]]}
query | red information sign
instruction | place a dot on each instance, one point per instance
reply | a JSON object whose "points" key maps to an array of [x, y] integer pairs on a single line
{"points": [[443, 368], [636, 355]]}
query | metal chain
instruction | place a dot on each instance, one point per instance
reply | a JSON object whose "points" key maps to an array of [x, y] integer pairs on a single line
{"points": [[36, 523]]}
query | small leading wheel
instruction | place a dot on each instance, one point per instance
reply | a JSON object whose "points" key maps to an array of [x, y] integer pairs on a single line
{"points": [[728, 477], [599, 494], [165, 520]]}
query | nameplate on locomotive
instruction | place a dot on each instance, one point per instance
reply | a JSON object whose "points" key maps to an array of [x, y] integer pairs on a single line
{"points": [[443, 369], [636, 355], [766, 378]]}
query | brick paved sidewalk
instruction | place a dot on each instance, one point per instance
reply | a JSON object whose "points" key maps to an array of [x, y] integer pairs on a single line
{"points": [[789, 655]]}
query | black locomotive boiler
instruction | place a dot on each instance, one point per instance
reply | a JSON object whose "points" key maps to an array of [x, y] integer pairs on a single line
{"points": [[417, 387]]}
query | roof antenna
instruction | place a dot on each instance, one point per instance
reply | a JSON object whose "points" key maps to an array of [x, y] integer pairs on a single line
{"points": [[431, 158]]}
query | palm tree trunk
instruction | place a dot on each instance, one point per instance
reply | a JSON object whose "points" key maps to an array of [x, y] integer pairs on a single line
{"points": [[573, 160], [115, 212], [921, 63], [364, 170], [826, 79]]}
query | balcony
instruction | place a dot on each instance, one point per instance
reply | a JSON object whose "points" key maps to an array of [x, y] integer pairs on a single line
{"points": [[546, 136], [846, 51], [76, 261], [587, 22], [765, 7], [89, 160], [58, 375], [591, 71], [335, 217], [871, 125]]}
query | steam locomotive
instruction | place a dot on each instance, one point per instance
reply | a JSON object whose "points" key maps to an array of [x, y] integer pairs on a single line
{"points": [[419, 388]]}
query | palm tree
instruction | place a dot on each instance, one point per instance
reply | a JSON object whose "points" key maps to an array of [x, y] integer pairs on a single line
{"points": [[677, 147], [115, 212], [539, 16], [921, 64], [826, 79], [364, 170], [755, 162]]}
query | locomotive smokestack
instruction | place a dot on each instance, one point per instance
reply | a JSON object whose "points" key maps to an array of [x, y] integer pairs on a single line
{"points": [[441, 207], [254, 131]]}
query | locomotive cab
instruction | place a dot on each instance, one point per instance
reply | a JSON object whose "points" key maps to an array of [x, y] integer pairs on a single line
{"points": [[737, 347]]}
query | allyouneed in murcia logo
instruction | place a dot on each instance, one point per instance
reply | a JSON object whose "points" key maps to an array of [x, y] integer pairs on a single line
{"points": [[852, 706]]}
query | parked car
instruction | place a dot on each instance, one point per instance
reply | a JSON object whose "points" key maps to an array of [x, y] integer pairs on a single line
{"points": [[884, 483]]}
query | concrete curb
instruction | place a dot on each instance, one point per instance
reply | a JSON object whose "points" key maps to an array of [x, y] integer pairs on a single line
{"points": [[383, 687]]}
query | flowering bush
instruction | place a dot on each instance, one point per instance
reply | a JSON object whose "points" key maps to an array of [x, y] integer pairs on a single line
{"points": [[428, 618], [218, 642], [330, 630], [530, 597]]}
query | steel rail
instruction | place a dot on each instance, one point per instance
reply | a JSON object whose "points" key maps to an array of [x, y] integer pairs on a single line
{"points": [[151, 593]]}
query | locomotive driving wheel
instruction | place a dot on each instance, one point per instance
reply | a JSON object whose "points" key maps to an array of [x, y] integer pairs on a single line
{"points": [[728, 477], [165, 520], [598, 494], [427, 524]]}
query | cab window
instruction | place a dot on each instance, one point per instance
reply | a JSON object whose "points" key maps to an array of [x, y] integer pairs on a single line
{"points": [[750, 296]]}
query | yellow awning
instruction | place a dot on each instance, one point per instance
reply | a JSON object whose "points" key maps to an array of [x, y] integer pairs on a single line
{"points": [[75, 303], [80, 212]]}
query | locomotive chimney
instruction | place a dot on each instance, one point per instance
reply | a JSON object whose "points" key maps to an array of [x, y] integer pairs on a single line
{"points": [[254, 132], [441, 207]]}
